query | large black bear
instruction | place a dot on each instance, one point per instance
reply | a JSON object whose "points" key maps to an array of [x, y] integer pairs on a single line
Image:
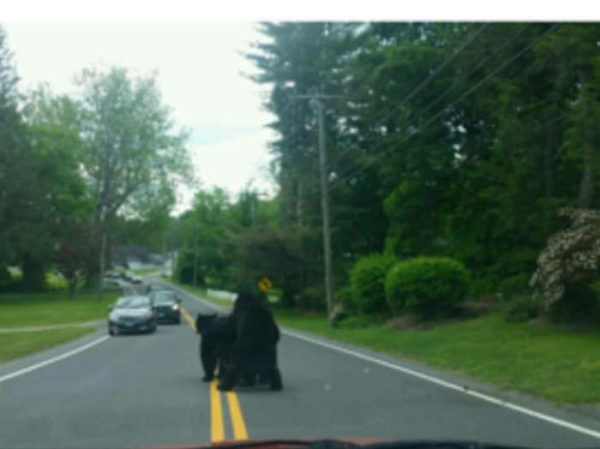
{"points": [[216, 346], [254, 350]]}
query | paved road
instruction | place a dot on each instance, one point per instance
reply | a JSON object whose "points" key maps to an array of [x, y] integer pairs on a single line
{"points": [[136, 391]]}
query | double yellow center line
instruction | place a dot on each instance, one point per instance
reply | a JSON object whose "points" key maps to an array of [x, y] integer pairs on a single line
{"points": [[217, 422], [217, 427]]}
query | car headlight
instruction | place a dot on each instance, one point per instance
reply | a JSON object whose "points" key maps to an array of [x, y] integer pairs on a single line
{"points": [[175, 307]]}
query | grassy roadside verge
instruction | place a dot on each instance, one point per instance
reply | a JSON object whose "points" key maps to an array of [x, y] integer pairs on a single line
{"points": [[38, 309], [19, 344], [202, 293], [559, 365]]}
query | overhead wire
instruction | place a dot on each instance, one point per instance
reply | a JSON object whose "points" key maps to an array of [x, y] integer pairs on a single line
{"points": [[425, 82], [444, 110]]}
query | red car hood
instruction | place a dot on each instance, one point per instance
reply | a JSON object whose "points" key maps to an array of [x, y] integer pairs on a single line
{"points": [[268, 444]]}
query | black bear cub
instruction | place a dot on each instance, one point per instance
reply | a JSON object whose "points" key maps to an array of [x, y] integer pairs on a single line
{"points": [[216, 344]]}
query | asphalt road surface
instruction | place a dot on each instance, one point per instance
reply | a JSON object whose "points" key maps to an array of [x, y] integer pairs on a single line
{"points": [[146, 390]]}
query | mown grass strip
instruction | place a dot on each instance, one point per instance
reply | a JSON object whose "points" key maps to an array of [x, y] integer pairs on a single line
{"points": [[38, 309], [558, 365], [20, 344]]}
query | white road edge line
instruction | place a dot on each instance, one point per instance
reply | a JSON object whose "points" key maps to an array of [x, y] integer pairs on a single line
{"points": [[451, 386], [428, 378], [53, 359]]}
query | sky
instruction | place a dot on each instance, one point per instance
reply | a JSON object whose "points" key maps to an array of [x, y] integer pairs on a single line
{"points": [[201, 72], [197, 55]]}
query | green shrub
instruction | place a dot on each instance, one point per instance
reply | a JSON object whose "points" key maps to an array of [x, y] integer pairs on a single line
{"points": [[312, 298], [522, 309], [358, 322], [427, 286], [514, 285], [343, 295], [367, 283], [6, 279], [184, 270], [579, 304], [55, 281]]}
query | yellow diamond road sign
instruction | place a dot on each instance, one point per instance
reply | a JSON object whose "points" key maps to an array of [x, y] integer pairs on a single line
{"points": [[265, 284]]}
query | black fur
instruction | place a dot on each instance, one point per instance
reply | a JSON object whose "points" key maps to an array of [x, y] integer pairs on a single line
{"points": [[254, 351], [216, 344]]}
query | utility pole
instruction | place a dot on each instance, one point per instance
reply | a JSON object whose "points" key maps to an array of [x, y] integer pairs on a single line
{"points": [[196, 258], [317, 99], [102, 267]]}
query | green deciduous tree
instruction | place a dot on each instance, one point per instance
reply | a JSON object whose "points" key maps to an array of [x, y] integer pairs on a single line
{"points": [[131, 152]]}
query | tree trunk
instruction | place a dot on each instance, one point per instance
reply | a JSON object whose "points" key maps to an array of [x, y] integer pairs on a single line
{"points": [[586, 189], [548, 162], [33, 274], [72, 286], [299, 211], [196, 262], [102, 262]]}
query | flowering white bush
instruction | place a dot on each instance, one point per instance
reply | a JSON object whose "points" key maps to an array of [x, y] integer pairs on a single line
{"points": [[570, 256]]}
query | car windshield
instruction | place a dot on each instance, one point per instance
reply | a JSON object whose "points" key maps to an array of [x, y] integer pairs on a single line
{"points": [[360, 226], [164, 299], [132, 303]]}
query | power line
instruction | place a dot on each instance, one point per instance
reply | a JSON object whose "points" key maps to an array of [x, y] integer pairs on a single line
{"points": [[453, 103], [476, 68], [435, 73], [449, 89], [424, 83]]}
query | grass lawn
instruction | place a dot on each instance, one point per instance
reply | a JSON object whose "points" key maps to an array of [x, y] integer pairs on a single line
{"points": [[19, 344], [555, 364], [38, 309]]}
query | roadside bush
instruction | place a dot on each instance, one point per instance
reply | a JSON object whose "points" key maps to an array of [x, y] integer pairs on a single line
{"points": [[312, 298], [522, 309], [514, 285], [428, 286], [6, 280], [184, 271], [359, 322], [55, 281], [367, 283], [344, 296], [579, 304]]}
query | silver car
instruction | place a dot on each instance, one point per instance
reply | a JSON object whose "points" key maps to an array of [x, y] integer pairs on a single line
{"points": [[132, 314]]}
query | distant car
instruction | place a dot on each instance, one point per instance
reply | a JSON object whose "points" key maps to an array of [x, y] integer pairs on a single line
{"points": [[132, 314], [136, 279], [167, 306], [150, 288]]}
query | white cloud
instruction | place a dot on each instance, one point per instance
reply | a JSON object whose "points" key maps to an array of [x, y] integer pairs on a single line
{"points": [[240, 155]]}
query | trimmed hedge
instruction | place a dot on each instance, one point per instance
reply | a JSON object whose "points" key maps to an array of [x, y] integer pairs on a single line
{"points": [[367, 284], [427, 286]]}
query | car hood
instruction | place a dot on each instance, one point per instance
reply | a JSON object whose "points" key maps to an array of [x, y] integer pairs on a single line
{"points": [[132, 313], [351, 443]]}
